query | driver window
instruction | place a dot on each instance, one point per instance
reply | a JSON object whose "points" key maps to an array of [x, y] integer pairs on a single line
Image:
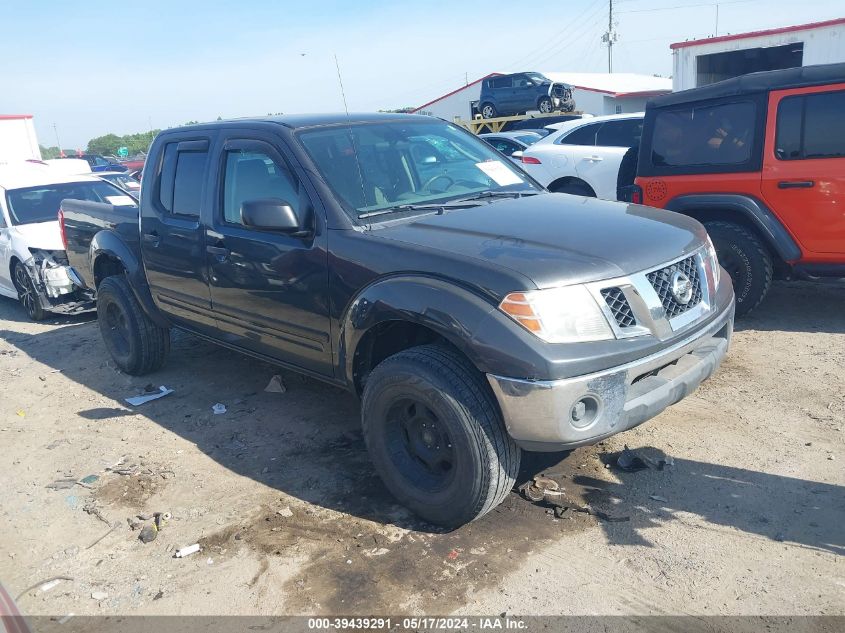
{"points": [[252, 175]]}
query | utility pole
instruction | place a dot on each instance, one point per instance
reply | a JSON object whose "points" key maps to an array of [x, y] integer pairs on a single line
{"points": [[58, 143], [609, 37], [717, 19]]}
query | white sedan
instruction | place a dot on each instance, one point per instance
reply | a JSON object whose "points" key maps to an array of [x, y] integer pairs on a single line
{"points": [[583, 157], [33, 263]]}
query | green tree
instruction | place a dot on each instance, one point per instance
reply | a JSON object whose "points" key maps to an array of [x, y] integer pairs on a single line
{"points": [[49, 152]]}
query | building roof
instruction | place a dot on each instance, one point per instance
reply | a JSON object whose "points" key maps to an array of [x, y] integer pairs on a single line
{"points": [[455, 91], [615, 84], [743, 36], [758, 82]]}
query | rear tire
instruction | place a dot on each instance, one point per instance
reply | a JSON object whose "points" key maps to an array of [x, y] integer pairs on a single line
{"points": [[745, 258], [27, 294], [436, 437], [488, 111], [135, 342]]}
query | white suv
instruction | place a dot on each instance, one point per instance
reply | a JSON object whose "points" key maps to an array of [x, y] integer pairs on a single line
{"points": [[582, 157]]}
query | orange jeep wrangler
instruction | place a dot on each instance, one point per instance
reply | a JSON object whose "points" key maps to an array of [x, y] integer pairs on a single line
{"points": [[760, 161]]}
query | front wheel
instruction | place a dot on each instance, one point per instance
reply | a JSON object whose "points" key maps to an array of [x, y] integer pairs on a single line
{"points": [[137, 344], [545, 105], [27, 294], [746, 260], [436, 436]]}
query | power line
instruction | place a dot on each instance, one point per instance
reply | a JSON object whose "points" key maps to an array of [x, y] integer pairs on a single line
{"points": [[686, 6]]}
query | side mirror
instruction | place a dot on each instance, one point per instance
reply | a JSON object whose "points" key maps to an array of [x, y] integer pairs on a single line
{"points": [[270, 214], [517, 155]]}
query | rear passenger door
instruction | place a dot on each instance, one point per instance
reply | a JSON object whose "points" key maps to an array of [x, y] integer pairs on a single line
{"points": [[803, 178], [269, 289], [172, 233]]}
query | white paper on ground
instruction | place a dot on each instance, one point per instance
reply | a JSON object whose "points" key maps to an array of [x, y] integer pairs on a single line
{"points": [[500, 174], [162, 391]]}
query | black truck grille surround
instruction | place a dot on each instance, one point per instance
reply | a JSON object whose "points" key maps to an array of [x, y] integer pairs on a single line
{"points": [[619, 306], [661, 280]]}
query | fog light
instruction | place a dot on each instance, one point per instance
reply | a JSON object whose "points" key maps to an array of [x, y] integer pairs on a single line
{"points": [[584, 412]]}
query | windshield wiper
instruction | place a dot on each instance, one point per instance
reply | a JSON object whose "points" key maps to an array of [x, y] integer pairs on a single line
{"points": [[428, 206], [500, 194]]}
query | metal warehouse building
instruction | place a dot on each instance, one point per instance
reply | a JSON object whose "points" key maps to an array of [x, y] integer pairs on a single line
{"points": [[17, 138], [594, 93], [700, 62]]}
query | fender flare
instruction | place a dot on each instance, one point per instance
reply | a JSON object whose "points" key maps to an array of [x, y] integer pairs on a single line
{"points": [[107, 243], [755, 211], [466, 319]]}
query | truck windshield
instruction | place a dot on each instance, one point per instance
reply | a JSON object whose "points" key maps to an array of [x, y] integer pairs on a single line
{"points": [[30, 205], [375, 167]]}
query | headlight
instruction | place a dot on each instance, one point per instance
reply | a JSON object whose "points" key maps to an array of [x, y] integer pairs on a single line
{"points": [[714, 261], [558, 315]]}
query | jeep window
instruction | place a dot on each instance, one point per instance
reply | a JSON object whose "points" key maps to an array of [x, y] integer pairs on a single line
{"points": [[811, 126], [585, 135], [624, 133], [377, 166], [254, 175], [41, 204], [721, 134]]}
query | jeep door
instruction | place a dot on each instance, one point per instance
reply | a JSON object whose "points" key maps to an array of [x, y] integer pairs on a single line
{"points": [[803, 178], [269, 289]]}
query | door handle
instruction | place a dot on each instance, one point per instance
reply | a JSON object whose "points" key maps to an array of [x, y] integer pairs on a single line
{"points": [[595, 159], [219, 252], [796, 184], [152, 238]]}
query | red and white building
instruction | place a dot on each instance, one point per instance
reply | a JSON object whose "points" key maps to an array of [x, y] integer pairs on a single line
{"points": [[17, 138], [594, 93], [701, 62]]}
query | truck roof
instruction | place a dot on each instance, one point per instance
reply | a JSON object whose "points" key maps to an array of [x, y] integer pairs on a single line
{"points": [[757, 82], [17, 176], [295, 121]]}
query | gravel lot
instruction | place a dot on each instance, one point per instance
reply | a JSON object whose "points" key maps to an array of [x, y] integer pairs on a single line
{"points": [[279, 493]]}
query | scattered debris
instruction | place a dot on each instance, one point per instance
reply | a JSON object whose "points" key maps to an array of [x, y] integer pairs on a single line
{"points": [[376, 551], [57, 443], [113, 528], [20, 413], [62, 484], [99, 595], [90, 479], [49, 585], [658, 498], [219, 408], [210, 561], [139, 400], [544, 489], [453, 555], [148, 533], [187, 551], [93, 509], [159, 595], [42, 584], [600, 515], [276, 385], [285, 512], [630, 462]]}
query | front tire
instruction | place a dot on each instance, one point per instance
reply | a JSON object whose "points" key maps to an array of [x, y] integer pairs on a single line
{"points": [[436, 437], [488, 111], [27, 294], [746, 260], [545, 106], [135, 342]]}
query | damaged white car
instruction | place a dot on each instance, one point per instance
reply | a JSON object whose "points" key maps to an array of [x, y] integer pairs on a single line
{"points": [[33, 264]]}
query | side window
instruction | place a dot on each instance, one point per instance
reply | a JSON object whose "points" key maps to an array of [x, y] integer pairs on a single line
{"points": [[506, 147], [582, 136], [620, 133], [720, 134], [811, 127], [503, 82], [252, 175], [181, 181], [521, 81]]}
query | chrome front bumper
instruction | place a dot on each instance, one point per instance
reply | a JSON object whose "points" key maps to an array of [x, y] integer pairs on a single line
{"points": [[561, 414]]}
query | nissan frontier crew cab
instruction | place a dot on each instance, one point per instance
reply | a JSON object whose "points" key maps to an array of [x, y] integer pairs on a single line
{"points": [[398, 256]]}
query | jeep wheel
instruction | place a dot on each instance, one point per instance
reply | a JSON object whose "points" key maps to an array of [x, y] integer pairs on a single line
{"points": [[544, 105], [136, 343], [747, 261], [488, 111], [435, 435], [27, 294]]}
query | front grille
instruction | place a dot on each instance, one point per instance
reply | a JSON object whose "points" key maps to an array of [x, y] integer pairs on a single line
{"points": [[619, 306], [661, 280]]}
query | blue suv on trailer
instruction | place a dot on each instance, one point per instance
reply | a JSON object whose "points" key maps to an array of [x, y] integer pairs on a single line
{"points": [[507, 95]]}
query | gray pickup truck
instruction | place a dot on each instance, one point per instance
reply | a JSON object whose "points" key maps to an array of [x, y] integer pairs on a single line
{"points": [[402, 258]]}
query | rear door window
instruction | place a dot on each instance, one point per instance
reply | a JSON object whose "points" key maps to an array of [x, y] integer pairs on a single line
{"points": [[503, 82], [721, 134], [582, 136], [811, 126], [625, 133], [182, 179]]}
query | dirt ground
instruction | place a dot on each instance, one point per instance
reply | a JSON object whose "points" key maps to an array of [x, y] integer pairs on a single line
{"points": [[279, 492]]}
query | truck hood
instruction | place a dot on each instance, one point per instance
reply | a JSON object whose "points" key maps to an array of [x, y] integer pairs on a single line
{"points": [[45, 235], [557, 239]]}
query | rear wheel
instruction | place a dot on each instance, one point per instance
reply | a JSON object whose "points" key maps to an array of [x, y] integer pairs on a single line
{"points": [[136, 343], [436, 436], [743, 256], [27, 294], [488, 111], [545, 106]]}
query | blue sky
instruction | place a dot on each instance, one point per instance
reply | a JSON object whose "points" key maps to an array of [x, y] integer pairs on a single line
{"points": [[113, 66]]}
